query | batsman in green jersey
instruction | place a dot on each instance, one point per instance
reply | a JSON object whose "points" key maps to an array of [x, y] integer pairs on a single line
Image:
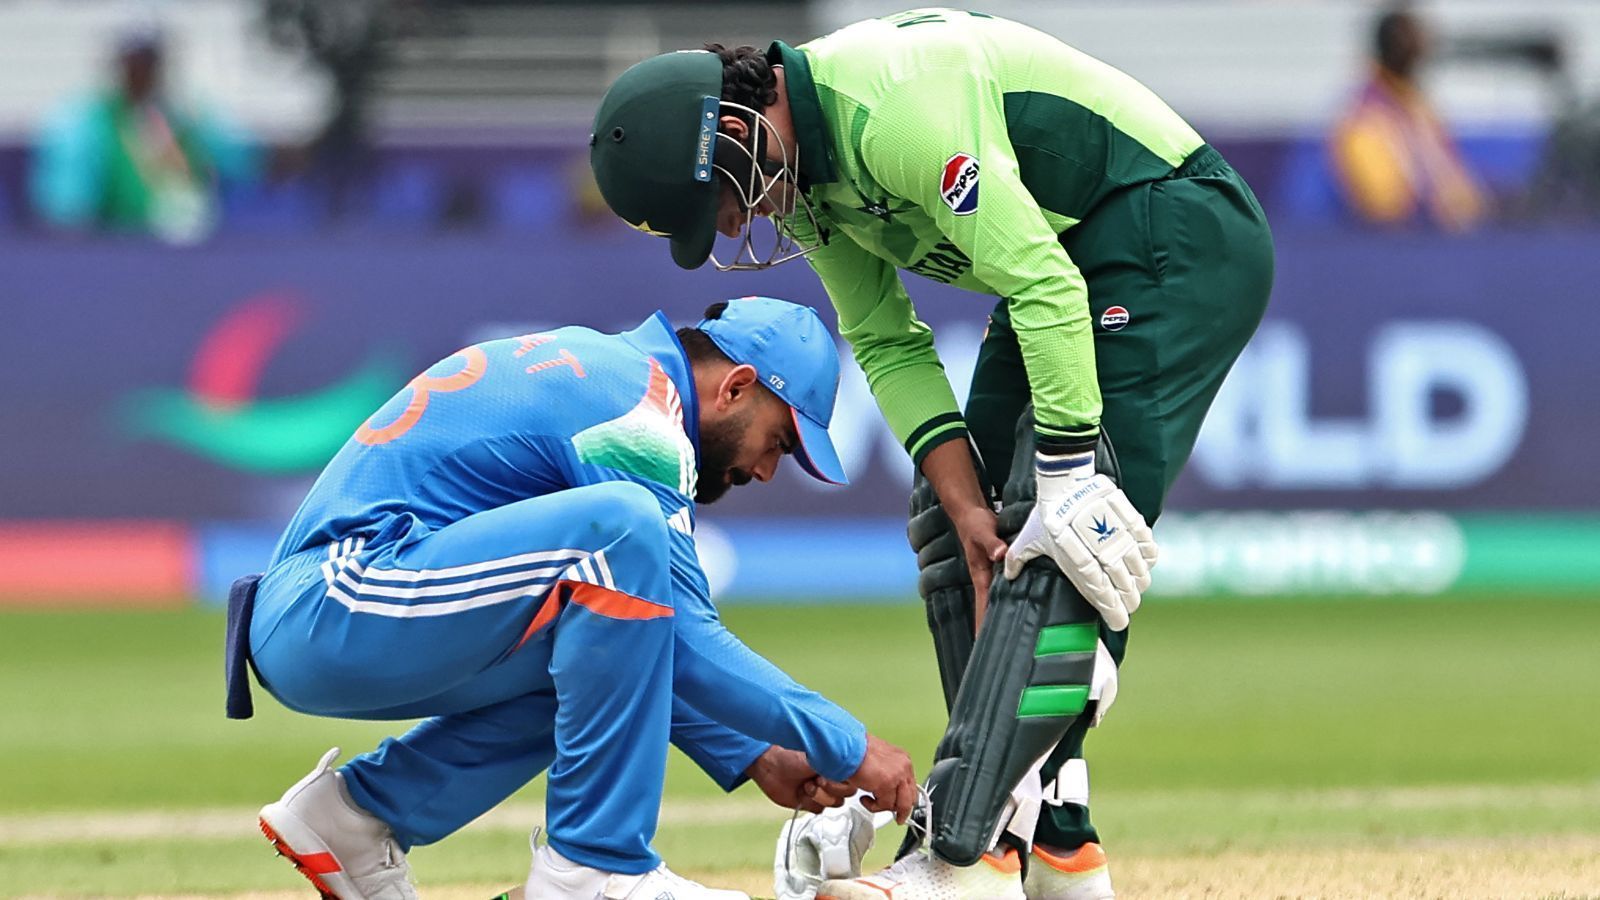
{"points": [[1131, 263]]}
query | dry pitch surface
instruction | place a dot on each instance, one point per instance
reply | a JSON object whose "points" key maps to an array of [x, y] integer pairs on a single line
{"points": [[1547, 868]]}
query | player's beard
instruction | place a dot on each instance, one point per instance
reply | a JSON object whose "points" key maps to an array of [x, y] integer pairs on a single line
{"points": [[719, 447]]}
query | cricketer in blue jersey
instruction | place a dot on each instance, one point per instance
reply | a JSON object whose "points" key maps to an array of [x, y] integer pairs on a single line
{"points": [[505, 549]]}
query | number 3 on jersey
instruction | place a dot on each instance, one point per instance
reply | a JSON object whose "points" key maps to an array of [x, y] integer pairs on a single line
{"points": [[421, 387]]}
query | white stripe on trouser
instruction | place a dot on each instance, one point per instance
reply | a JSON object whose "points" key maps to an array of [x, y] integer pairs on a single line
{"points": [[362, 581], [1021, 812], [340, 555], [599, 560], [356, 587]]}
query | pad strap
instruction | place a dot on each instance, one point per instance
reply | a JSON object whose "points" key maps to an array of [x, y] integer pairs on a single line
{"points": [[1071, 784]]}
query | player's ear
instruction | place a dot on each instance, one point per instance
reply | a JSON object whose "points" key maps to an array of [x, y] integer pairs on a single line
{"points": [[734, 127], [738, 383]]}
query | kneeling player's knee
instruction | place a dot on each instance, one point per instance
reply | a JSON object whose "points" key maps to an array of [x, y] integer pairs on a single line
{"points": [[628, 514]]}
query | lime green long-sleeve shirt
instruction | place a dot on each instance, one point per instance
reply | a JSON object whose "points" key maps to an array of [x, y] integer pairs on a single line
{"points": [[959, 146]]}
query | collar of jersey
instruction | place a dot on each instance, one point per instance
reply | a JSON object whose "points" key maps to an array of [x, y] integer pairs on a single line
{"points": [[655, 337], [805, 109]]}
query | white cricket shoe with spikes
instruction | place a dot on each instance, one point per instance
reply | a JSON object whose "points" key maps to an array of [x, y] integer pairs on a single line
{"points": [[554, 877], [923, 876], [346, 852]]}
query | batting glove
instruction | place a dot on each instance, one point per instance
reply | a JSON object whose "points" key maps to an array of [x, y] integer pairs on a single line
{"points": [[1084, 522], [815, 848]]}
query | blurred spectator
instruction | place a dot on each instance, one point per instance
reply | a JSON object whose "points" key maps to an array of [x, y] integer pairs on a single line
{"points": [[1394, 161], [129, 159], [348, 39]]}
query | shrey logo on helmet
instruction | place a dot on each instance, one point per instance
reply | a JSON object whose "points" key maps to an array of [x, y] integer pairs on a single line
{"points": [[708, 135], [958, 186]]}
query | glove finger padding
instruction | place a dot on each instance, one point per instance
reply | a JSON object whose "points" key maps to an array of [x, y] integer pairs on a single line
{"points": [[1121, 579], [1088, 574], [1138, 568], [1123, 585], [1028, 543], [1137, 526]]}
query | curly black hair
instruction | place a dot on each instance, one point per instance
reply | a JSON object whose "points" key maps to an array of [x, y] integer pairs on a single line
{"points": [[747, 77], [698, 344]]}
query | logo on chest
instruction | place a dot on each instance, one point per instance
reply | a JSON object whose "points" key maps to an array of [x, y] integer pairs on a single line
{"points": [[958, 186]]}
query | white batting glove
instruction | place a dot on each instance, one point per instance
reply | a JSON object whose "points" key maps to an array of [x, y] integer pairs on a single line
{"points": [[815, 848], [1084, 522]]}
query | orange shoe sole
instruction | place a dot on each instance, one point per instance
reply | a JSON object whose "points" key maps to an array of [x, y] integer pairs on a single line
{"points": [[312, 866]]}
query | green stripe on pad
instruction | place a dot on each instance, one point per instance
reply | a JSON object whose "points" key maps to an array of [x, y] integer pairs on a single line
{"points": [[1075, 638], [1052, 700]]}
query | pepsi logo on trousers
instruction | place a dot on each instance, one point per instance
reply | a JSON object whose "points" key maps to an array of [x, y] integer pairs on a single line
{"points": [[1114, 318]]}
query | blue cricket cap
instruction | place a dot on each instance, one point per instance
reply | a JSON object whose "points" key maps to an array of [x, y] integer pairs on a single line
{"points": [[795, 357]]}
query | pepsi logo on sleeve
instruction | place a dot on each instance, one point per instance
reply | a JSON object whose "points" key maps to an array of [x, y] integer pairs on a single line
{"points": [[958, 186]]}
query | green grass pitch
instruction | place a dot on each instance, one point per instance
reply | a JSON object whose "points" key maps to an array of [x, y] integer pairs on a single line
{"points": [[1240, 724]]}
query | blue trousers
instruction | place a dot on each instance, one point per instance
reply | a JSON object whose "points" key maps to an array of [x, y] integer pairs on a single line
{"points": [[533, 636]]}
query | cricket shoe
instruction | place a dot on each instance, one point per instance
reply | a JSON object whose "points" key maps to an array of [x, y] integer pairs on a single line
{"points": [[1079, 875], [346, 852], [554, 877], [923, 876]]}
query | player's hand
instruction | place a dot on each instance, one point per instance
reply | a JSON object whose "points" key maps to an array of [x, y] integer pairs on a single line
{"points": [[886, 774], [1084, 522], [788, 780], [983, 548]]}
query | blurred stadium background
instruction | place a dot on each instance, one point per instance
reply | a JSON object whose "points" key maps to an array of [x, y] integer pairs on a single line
{"points": [[1374, 626]]}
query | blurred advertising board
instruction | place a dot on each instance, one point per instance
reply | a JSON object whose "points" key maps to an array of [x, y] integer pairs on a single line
{"points": [[1410, 398]]}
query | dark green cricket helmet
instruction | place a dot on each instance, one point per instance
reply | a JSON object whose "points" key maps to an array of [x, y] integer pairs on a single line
{"points": [[653, 146]]}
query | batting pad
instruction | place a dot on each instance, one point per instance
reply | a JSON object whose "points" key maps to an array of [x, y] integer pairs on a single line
{"points": [[945, 585], [1029, 677]]}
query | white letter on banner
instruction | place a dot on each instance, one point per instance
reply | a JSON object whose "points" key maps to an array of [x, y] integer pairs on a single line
{"points": [[1260, 429], [1413, 360], [1301, 451]]}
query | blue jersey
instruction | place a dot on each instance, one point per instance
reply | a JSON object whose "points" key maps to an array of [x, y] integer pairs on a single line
{"points": [[522, 417]]}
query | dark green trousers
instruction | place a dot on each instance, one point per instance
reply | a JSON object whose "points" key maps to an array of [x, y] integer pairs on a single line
{"points": [[1190, 259]]}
